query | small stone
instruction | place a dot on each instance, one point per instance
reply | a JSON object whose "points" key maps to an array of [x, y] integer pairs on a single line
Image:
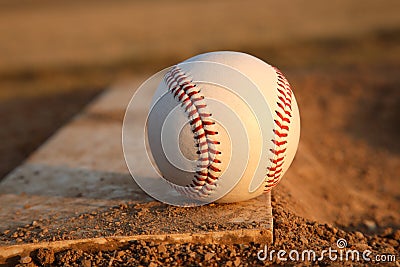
{"points": [[233, 253], [320, 232], [361, 247], [371, 225], [208, 256], [161, 248], [153, 264], [303, 240], [228, 263], [237, 261], [387, 232], [86, 263], [359, 235], [393, 242], [192, 255], [120, 254], [25, 260]]}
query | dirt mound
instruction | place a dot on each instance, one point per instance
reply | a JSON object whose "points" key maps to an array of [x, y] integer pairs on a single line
{"points": [[346, 169]]}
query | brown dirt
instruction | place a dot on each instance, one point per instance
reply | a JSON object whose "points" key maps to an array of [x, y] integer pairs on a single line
{"points": [[291, 232], [348, 160]]}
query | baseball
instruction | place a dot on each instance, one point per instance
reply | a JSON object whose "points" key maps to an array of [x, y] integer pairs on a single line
{"points": [[223, 126]]}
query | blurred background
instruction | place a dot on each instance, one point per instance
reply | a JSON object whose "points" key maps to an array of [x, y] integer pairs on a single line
{"points": [[342, 58]]}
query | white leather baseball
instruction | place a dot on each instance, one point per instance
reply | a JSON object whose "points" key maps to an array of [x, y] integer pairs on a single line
{"points": [[224, 126]]}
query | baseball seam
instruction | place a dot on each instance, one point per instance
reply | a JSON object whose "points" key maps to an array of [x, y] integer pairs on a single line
{"points": [[189, 96], [282, 119]]}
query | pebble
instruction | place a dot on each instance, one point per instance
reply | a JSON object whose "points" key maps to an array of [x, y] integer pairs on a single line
{"points": [[192, 254], [303, 240], [237, 261], [25, 260], [371, 225], [86, 263], [359, 235], [208, 256], [393, 242], [387, 232], [320, 232], [361, 247], [161, 248]]}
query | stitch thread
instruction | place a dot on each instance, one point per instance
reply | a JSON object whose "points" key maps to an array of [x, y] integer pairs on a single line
{"points": [[191, 99], [282, 124]]}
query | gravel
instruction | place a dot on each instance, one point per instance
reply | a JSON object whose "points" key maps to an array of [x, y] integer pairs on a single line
{"points": [[291, 232]]}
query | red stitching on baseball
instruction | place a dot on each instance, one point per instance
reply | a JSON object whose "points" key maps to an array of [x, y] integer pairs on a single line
{"points": [[283, 108], [282, 117], [282, 125], [276, 161], [279, 134], [277, 152], [279, 143], [186, 92]]}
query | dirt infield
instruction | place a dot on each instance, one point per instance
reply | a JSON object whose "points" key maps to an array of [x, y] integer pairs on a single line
{"points": [[291, 233]]}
